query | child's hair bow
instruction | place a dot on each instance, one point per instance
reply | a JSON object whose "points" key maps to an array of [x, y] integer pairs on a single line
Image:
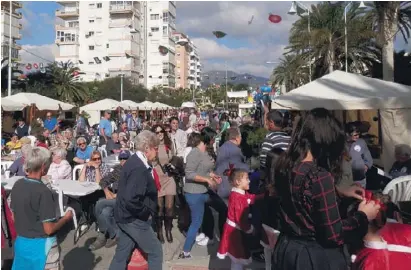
{"points": [[230, 170], [369, 196]]}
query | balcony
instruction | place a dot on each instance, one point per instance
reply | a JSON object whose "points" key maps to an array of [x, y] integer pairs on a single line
{"points": [[18, 36], [20, 26], [121, 9], [67, 42], [62, 27], [17, 4], [67, 13], [17, 46]]}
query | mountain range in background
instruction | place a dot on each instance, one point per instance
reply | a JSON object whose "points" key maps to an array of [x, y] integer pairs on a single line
{"points": [[218, 77]]}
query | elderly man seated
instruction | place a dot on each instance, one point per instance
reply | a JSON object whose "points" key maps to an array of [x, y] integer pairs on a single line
{"points": [[402, 165], [83, 153], [113, 145], [17, 167]]}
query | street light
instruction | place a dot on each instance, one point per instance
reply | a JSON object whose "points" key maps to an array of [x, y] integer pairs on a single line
{"points": [[10, 44], [121, 87], [294, 10], [361, 6]]}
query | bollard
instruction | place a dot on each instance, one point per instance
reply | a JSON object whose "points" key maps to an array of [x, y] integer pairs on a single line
{"points": [[138, 260]]}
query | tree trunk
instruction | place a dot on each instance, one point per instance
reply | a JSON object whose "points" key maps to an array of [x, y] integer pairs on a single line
{"points": [[388, 23], [331, 56]]}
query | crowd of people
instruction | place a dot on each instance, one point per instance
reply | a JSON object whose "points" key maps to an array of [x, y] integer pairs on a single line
{"points": [[304, 205]]}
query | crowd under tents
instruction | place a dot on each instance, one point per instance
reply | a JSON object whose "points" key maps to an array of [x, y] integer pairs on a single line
{"points": [[341, 91]]}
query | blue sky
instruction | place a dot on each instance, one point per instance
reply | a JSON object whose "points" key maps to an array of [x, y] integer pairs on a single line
{"points": [[245, 49]]}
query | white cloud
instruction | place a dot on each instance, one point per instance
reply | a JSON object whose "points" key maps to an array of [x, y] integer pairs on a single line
{"points": [[38, 54]]}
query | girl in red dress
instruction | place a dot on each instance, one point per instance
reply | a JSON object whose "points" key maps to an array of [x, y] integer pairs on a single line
{"points": [[238, 225], [386, 246]]}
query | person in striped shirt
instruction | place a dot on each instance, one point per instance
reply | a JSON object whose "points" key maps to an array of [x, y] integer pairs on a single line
{"points": [[276, 137]]}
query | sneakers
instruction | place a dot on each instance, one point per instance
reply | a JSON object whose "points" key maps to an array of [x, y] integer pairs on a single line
{"points": [[99, 243], [111, 242], [184, 255], [200, 237], [205, 241]]}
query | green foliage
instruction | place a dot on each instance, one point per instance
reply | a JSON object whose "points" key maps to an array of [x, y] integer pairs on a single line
{"points": [[255, 138]]}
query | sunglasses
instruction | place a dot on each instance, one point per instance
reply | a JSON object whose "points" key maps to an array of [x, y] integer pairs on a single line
{"points": [[201, 125], [80, 144], [123, 159], [95, 159], [159, 132]]}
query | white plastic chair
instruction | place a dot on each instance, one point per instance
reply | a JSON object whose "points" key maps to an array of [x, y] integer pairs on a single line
{"points": [[399, 189], [103, 152], [63, 212], [6, 165], [77, 168]]}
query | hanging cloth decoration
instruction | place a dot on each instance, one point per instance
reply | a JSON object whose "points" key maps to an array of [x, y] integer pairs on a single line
{"points": [[274, 18], [219, 34], [251, 20], [42, 69], [28, 66], [233, 78], [163, 50], [36, 66], [75, 73]]}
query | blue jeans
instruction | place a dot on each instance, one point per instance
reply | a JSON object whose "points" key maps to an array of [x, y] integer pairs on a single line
{"points": [[137, 234], [104, 211], [196, 202]]}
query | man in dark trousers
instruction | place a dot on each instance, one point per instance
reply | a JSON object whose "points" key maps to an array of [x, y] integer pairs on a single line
{"points": [[136, 205]]}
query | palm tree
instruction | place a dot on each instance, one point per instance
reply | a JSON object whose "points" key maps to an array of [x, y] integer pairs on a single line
{"points": [[65, 81], [291, 72], [389, 18], [324, 45]]}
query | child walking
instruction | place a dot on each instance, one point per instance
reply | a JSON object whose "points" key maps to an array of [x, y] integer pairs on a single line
{"points": [[233, 243]]}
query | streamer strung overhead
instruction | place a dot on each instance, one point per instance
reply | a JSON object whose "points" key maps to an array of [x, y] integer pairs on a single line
{"points": [[219, 34], [163, 50], [274, 18], [251, 20]]}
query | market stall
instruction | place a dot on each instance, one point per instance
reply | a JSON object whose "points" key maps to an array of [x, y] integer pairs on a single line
{"points": [[349, 92]]}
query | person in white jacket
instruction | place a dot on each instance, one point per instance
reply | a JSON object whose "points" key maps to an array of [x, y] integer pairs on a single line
{"points": [[178, 137], [59, 169]]}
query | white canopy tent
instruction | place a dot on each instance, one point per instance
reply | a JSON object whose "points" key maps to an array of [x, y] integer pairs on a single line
{"points": [[346, 91], [147, 105], [42, 103], [188, 104], [162, 106], [237, 94], [94, 109], [10, 106], [129, 105]]}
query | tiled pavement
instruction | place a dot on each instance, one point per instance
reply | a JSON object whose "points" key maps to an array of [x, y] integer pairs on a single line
{"points": [[78, 257]]}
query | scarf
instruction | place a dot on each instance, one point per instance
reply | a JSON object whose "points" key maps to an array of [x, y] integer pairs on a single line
{"points": [[156, 179]]}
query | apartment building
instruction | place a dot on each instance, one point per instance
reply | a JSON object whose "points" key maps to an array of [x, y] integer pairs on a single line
{"points": [[103, 38], [160, 27], [16, 27], [188, 66]]}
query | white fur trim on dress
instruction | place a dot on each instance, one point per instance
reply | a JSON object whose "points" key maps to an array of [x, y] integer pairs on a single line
{"points": [[385, 245], [268, 228], [238, 190], [235, 225], [234, 259]]}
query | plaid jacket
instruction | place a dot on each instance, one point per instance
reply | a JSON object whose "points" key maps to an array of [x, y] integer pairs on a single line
{"points": [[309, 207]]}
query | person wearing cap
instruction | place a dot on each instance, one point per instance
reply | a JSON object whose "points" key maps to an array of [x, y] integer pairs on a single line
{"points": [[105, 128], [104, 209]]}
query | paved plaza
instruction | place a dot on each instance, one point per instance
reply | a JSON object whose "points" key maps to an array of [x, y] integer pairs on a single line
{"points": [[78, 257]]}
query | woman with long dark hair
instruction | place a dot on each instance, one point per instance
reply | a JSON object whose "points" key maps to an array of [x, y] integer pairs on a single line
{"points": [[168, 189], [312, 231]]}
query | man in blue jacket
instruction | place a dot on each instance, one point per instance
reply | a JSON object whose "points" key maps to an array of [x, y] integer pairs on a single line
{"points": [[136, 205]]}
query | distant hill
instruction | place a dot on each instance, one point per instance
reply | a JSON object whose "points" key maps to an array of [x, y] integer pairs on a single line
{"points": [[218, 77]]}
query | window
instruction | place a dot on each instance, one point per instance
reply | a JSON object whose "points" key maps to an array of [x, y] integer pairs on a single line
{"points": [[91, 5], [165, 17], [107, 45], [91, 33], [155, 29], [91, 62], [91, 21], [165, 30], [154, 16], [99, 5], [91, 48], [73, 24]]}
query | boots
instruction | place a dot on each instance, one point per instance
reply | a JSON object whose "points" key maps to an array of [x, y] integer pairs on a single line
{"points": [[168, 224], [159, 227]]}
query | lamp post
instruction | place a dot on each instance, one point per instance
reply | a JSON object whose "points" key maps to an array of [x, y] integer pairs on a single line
{"points": [[10, 44], [293, 11], [361, 6], [121, 87]]}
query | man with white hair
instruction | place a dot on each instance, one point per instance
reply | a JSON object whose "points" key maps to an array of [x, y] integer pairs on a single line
{"points": [[34, 210], [136, 205], [17, 167], [402, 165]]}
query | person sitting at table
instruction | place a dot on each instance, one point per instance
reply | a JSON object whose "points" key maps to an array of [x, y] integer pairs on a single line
{"points": [[124, 141], [59, 169], [41, 141], [402, 164], [83, 152], [104, 209], [65, 144], [16, 169], [95, 169], [113, 145], [14, 144]]}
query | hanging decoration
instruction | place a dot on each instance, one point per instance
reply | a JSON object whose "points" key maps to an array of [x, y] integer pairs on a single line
{"points": [[274, 18], [28, 66], [233, 78], [251, 20], [36, 66], [219, 34], [42, 68], [163, 50], [75, 73]]}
